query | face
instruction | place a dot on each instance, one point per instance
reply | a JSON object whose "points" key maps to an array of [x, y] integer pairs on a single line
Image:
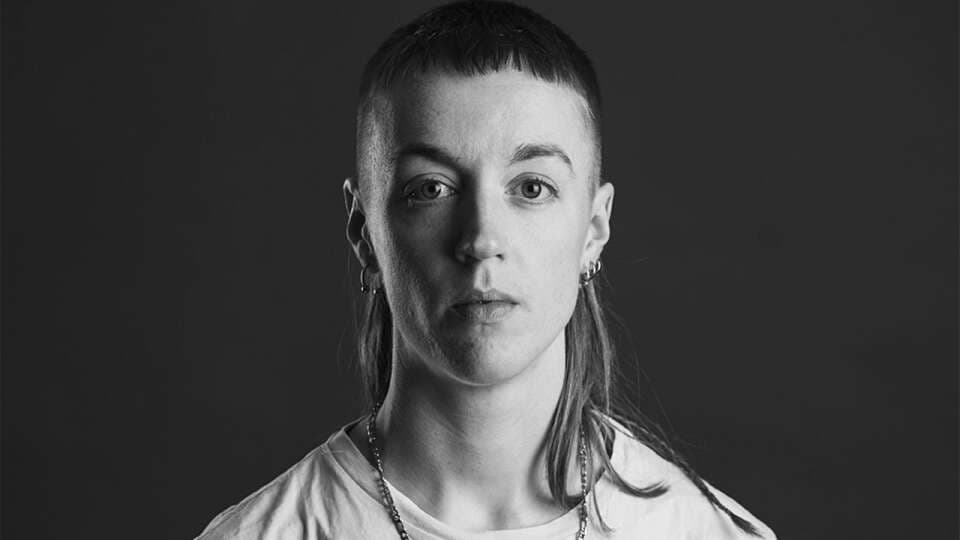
{"points": [[477, 208]]}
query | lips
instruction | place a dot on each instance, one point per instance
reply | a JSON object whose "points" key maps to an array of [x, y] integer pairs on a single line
{"points": [[489, 295], [485, 307]]}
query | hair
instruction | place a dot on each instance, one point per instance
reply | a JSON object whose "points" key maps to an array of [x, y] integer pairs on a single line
{"points": [[474, 38]]}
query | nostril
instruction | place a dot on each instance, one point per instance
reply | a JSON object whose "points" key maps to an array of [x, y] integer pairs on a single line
{"points": [[480, 249]]}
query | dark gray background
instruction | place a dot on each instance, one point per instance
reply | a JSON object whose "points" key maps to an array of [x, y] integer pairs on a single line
{"points": [[176, 288]]}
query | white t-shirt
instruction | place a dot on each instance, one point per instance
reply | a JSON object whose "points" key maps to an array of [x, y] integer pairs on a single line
{"points": [[332, 493]]}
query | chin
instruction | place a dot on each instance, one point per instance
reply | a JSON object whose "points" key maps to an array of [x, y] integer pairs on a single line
{"points": [[480, 362]]}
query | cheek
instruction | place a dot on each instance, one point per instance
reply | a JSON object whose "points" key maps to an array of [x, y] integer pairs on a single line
{"points": [[560, 261], [411, 259], [419, 241], [557, 268], [560, 238]]}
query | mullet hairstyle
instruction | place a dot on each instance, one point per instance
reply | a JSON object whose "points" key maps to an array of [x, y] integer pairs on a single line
{"points": [[474, 38]]}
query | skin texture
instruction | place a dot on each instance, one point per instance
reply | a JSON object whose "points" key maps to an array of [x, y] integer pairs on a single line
{"points": [[469, 185]]}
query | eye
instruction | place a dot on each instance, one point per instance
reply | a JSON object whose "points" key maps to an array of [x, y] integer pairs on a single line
{"points": [[429, 189], [535, 189], [531, 190]]}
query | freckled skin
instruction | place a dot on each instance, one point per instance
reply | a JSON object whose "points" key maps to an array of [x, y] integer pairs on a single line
{"points": [[441, 228]]}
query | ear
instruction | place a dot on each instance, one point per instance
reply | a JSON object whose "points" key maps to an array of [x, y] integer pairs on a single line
{"points": [[598, 231], [357, 233]]}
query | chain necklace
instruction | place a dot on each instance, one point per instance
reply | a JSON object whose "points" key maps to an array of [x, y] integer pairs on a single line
{"points": [[395, 515]]}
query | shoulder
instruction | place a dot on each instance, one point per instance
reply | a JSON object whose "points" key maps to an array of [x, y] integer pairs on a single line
{"points": [[272, 511], [683, 506]]}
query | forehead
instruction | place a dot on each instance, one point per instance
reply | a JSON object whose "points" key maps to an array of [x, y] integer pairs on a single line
{"points": [[480, 118]]}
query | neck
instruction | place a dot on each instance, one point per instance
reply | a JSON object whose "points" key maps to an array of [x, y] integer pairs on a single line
{"points": [[472, 455]]}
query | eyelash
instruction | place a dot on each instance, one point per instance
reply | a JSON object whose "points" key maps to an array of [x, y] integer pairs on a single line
{"points": [[410, 195], [551, 190]]}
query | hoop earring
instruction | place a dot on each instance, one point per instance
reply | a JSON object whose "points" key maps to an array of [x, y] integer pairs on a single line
{"points": [[364, 288], [592, 270]]}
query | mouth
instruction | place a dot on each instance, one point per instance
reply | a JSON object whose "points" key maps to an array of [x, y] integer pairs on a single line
{"points": [[485, 307], [476, 296]]}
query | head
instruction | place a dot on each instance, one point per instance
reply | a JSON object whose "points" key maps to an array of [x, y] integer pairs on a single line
{"points": [[478, 178]]}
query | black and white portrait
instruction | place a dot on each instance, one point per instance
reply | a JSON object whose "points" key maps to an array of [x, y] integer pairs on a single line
{"points": [[479, 270]]}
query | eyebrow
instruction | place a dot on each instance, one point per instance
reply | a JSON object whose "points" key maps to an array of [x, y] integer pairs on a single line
{"points": [[533, 151], [523, 152], [428, 151]]}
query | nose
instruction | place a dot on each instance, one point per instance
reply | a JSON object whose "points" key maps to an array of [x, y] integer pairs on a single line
{"points": [[482, 226]]}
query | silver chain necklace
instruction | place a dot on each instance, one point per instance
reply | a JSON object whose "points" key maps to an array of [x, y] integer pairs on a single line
{"points": [[395, 515]]}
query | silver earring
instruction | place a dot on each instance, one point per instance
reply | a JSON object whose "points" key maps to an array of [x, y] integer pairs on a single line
{"points": [[591, 272], [364, 288]]}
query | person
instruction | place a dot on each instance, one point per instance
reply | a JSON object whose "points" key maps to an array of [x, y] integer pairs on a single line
{"points": [[478, 214]]}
